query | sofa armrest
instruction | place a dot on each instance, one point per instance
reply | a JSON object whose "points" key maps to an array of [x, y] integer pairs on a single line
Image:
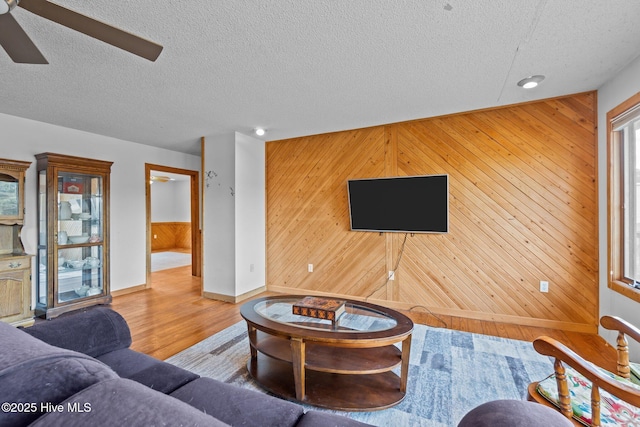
{"points": [[93, 331], [35, 373]]}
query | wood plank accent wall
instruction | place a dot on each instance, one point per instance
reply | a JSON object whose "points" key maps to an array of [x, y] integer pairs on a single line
{"points": [[523, 208], [170, 235]]}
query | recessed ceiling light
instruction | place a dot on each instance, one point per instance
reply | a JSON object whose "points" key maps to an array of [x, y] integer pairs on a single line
{"points": [[259, 131], [530, 82]]}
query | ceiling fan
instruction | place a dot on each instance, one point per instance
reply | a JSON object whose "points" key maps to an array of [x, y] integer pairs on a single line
{"points": [[21, 49]]}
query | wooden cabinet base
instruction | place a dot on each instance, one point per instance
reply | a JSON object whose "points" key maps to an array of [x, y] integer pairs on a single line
{"points": [[15, 290], [24, 323], [328, 390], [51, 312]]}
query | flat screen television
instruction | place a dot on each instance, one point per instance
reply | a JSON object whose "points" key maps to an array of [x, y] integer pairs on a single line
{"points": [[407, 204]]}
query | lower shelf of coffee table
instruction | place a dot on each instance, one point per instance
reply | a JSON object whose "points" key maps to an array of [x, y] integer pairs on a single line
{"points": [[366, 392], [327, 358]]}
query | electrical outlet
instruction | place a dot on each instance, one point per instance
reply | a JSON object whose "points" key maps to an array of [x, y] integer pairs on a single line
{"points": [[544, 286], [252, 267], [392, 275], [310, 268]]}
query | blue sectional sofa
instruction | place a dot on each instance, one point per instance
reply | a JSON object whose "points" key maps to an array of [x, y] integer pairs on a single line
{"points": [[78, 369]]}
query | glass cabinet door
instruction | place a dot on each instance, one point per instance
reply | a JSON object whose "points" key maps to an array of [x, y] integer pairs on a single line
{"points": [[9, 196], [79, 236], [43, 244]]}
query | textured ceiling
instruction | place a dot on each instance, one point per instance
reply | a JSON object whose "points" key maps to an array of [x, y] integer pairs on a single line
{"points": [[310, 66]]}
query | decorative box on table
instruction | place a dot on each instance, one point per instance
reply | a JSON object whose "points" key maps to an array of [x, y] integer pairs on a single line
{"points": [[320, 308]]}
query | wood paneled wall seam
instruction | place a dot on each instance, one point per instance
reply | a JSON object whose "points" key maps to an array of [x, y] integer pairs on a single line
{"points": [[523, 208]]}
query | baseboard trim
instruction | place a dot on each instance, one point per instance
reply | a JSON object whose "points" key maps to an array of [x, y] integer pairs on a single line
{"points": [[500, 318], [234, 299], [129, 290]]}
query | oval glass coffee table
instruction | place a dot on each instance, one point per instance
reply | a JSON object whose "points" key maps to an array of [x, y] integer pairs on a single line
{"points": [[346, 364]]}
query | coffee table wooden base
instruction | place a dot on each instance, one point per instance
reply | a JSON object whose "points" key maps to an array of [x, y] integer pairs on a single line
{"points": [[329, 390]]}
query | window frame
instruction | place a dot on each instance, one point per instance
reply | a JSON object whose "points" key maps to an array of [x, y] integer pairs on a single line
{"points": [[615, 225]]}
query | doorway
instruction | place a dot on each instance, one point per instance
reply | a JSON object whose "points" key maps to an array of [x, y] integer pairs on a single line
{"points": [[186, 233]]}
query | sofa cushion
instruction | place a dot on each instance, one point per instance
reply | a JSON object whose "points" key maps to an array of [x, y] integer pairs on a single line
{"points": [[147, 370], [635, 372], [93, 331], [238, 406], [122, 402], [35, 373]]}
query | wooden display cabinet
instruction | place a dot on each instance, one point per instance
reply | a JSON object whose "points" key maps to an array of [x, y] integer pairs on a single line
{"points": [[73, 227], [15, 264]]}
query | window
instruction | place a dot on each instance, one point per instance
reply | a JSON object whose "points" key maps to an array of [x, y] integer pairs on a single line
{"points": [[624, 197]]}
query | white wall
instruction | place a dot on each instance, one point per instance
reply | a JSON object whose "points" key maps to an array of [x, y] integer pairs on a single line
{"points": [[22, 139], [234, 215], [624, 85], [250, 214], [218, 236], [171, 201]]}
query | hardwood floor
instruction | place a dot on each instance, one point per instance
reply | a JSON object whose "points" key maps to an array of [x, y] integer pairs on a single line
{"points": [[172, 316]]}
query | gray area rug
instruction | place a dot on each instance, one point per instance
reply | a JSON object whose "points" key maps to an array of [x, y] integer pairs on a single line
{"points": [[451, 372], [167, 260]]}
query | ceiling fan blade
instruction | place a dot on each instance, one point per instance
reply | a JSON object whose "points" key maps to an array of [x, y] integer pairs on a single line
{"points": [[17, 43], [93, 28]]}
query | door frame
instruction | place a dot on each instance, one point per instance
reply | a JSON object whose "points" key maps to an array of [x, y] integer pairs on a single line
{"points": [[196, 230]]}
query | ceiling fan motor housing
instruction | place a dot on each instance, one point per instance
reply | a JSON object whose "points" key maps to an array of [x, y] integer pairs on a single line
{"points": [[10, 5]]}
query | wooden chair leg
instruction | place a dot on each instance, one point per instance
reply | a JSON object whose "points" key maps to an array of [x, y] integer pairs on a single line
{"points": [[623, 356], [564, 399]]}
